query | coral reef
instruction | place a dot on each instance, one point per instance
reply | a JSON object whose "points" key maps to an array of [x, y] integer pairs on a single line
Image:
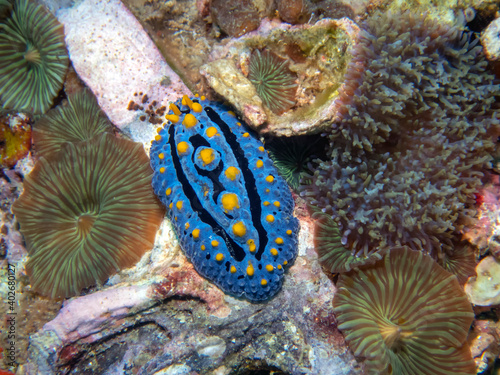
{"points": [[232, 211], [274, 82], [406, 315], [86, 214], [33, 58], [80, 120], [418, 121]]}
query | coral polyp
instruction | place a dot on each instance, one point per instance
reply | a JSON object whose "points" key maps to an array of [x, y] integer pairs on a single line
{"points": [[86, 214], [406, 315], [79, 120], [33, 58], [275, 84]]}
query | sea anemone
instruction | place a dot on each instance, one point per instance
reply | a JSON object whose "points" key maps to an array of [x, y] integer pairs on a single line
{"points": [[460, 261], [80, 120], [275, 84], [332, 254], [418, 122], [86, 214], [33, 58], [406, 315]]}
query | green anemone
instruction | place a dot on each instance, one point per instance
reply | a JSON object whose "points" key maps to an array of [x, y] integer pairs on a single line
{"points": [[406, 315], [275, 83], [81, 119], [293, 156], [33, 58], [87, 214]]}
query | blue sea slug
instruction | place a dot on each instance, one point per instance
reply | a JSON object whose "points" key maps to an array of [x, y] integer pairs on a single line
{"points": [[232, 211]]}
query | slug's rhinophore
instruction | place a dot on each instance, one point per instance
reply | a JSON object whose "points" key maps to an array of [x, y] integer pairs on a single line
{"points": [[232, 212]]}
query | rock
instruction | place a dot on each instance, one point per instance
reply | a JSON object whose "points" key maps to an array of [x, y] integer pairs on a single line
{"points": [[318, 54], [115, 58], [484, 289], [491, 41]]}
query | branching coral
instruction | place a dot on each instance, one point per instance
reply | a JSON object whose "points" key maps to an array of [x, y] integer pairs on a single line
{"points": [[86, 214], [33, 58], [418, 121], [80, 120], [406, 315]]}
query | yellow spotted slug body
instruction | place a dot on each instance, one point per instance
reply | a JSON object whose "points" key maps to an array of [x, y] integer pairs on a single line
{"points": [[232, 212]]}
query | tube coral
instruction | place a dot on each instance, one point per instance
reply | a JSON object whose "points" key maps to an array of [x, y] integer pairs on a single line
{"points": [[406, 315], [33, 58], [86, 214], [417, 125]]}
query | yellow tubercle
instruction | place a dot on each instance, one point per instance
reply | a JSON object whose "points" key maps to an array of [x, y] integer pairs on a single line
{"points": [[162, 170], [289, 232], [202, 247], [207, 156], [246, 135], [231, 113], [197, 107], [259, 163], [168, 191], [270, 178], [251, 245], [274, 252], [239, 229], [266, 203], [263, 282], [279, 241], [214, 243], [187, 101], [157, 138], [269, 268], [232, 173], [161, 155], [174, 109], [189, 120], [232, 269], [250, 269], [171, 205], [195, 233], [179, 205], [279, 266], [203, 97], [158, 130], [182, 148], [270, 218], [276, 203], [285, 263], [219, 257], [186, 226], [230, 202], [211, 132], [174, 119], [262, 149]]}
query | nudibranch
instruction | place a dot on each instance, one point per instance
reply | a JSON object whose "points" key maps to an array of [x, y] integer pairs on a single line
{"points": [[232, 211]]}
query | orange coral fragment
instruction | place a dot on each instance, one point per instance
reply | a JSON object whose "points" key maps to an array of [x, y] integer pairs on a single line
{"points": [[15, 140]]}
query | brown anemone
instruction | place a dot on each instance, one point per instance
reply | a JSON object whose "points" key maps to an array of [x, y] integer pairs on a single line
{"points": [[87, 214], [406, 315]]}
